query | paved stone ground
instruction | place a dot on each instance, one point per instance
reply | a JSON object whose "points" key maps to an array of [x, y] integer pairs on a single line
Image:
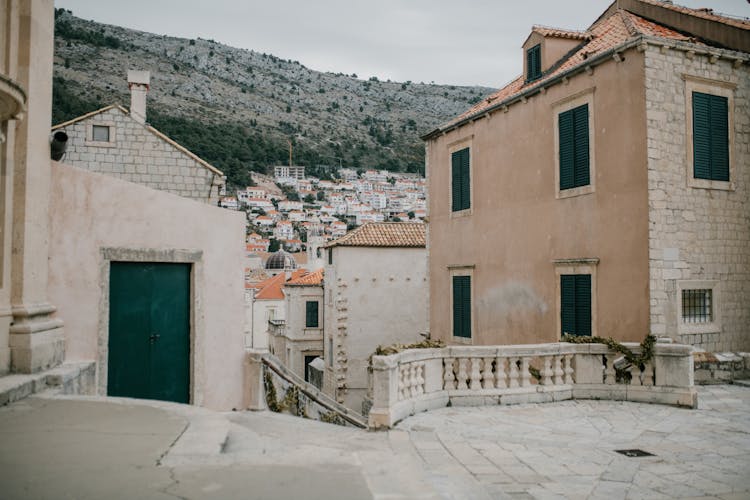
{"points": [[567, 450], [63, 447]]}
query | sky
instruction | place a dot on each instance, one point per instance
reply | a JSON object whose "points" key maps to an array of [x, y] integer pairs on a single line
{"points": [[459, 42]]}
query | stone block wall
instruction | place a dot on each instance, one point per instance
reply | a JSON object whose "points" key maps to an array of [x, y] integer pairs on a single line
{"points": [[136, 154], [699, 236]]}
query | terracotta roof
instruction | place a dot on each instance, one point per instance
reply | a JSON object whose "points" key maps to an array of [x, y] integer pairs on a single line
{"points": [[384, 234], [703, 13], [270, 289], [561, 33], [314, 278], [607, 34]]}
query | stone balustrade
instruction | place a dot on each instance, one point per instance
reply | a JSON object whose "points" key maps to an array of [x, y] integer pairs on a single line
{"points": [[423, 379]]}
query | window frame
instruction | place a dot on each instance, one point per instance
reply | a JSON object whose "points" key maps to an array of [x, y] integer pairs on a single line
{"points": [[586, 265], [713, 326], [456, 271], [454, 147], [717, 88], [584, 97], [103, 144], [307, 314]]}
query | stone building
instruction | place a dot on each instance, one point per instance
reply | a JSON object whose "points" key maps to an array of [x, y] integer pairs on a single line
{"points": [[92, 267], [605, 191], [119, 142], [375, 294], [298, 340]]}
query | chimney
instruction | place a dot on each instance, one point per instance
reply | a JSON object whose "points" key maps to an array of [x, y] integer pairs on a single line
{"points": [[138, 83]]}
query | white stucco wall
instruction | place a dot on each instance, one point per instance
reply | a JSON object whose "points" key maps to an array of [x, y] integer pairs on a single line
{"points": [[373, 296], [260, 313], [91, 211], [298, 338]]}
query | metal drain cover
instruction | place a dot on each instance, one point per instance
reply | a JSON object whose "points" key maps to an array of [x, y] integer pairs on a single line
{"points": [[635, 453]]}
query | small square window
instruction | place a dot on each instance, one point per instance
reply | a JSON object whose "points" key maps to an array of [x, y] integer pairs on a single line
{"points": [[100, 133], [697, 306]]}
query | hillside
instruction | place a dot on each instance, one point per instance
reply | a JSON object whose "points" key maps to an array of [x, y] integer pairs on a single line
{"points": [[238, 108]]}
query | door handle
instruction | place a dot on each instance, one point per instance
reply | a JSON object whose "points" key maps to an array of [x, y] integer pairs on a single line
{"points": [[152, 338]]}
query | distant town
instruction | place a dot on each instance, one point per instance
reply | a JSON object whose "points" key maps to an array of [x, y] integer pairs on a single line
{"points": [[284, 209]]}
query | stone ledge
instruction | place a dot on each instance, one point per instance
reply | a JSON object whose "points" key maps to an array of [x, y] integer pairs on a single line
{"points": [[68, 378], [721, 367]]}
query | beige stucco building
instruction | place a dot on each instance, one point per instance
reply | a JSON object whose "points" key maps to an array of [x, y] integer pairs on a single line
{"points": [[375, 295], [298, 339], [604, 192], [78, 246], [120, 143]]}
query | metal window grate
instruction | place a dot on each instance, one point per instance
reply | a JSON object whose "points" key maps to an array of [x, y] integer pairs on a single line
{"points": [[697, 306]]}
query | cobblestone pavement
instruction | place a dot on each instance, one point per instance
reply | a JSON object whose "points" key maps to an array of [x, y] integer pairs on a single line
{"points": [[567, 450], [78, 447]]}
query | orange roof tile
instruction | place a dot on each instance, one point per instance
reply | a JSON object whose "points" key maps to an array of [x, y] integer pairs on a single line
{"points": [[314, 278], [561, 33], [703, 13], [270, 289], [384, 234], [606, 34]]}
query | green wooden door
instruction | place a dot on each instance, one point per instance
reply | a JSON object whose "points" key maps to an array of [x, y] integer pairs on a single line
{"points": [[149, 331]]}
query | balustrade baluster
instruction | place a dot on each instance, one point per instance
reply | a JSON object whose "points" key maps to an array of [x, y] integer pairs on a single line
{"points": [[420, 378], [500, 375], [462, 375], [449, 378], [609, 369], [513, 364], [648, 374], [546, 371], [413, 379], [558, 371], [403, 385], [488, 378], [476, 376], [568, 370], [525, 375]]}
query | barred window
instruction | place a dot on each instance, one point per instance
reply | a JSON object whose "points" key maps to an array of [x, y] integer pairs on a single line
{"points": [[697, 306], [100, 133]]}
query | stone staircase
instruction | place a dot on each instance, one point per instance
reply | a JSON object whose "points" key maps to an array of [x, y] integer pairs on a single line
{"points": [[68, 378]]}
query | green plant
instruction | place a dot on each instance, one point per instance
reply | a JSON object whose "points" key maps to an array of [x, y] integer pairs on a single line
{"points": [[270, 390], [647, 347]]}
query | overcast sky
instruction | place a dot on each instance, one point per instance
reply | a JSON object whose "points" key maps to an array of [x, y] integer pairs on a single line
{"points": [[463, 42]]}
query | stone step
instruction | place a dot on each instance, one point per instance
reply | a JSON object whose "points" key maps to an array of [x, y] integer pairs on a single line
{"points": [[68, 378]]}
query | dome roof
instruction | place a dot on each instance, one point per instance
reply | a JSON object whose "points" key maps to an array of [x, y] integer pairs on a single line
{"points": [[281, 260]]}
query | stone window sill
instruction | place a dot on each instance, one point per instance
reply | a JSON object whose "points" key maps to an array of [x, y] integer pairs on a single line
{"points": [[709, 184], [573, 192]]}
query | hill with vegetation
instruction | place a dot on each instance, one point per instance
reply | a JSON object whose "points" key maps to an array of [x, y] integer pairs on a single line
{"points": [[241, 109]]}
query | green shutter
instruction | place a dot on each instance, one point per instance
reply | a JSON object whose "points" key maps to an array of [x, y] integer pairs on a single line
{"points": [[719, 138], [701, 136], [575, 304], [460, 180], [581, 139], [455, 182], [462, 306], [465, 180], [311, 314], [567, 304], [533, 63], [710, 137], [567, 149], [573, 140], [583, 304]]}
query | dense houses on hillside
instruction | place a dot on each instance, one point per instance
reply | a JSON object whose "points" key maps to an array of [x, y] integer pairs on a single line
{"points": [[300, 206]]}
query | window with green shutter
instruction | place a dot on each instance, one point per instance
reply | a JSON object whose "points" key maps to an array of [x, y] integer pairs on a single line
{"points": [[460, 180], [462, 306], [534, 63], [710, 137], [573, 130], [311, 314], [575, 304]]}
